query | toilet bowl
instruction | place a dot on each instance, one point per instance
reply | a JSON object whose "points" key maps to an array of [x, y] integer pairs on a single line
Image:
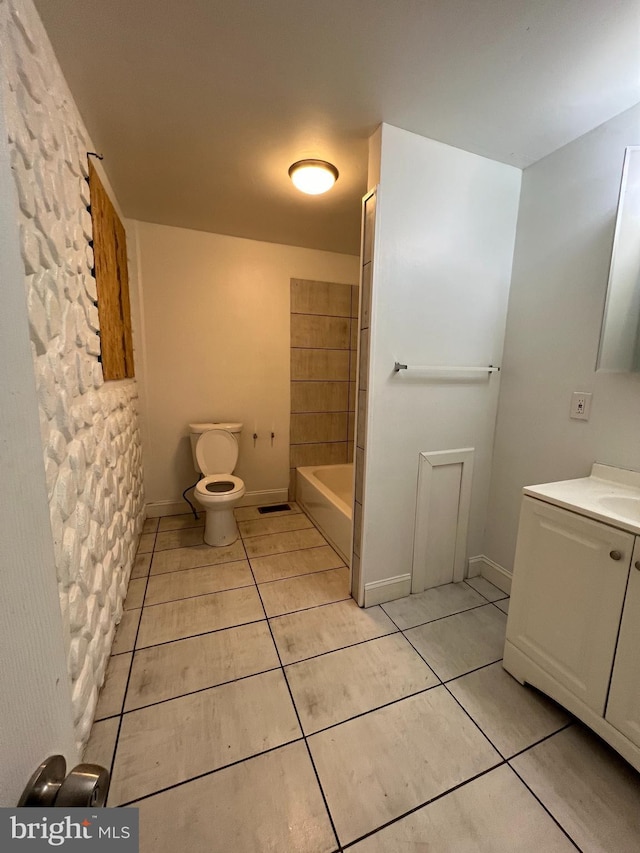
{"points": [[215, 454]]}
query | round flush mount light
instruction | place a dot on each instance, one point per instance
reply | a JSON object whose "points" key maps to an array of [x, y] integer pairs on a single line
{"points": [[313, 176]]}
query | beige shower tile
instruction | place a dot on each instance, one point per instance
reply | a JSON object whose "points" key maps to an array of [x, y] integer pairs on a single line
{"points": [[359, 463], [355, 300], [334, 453], [251, 513], [177, 559], [397, 758], [135, 593], [102, 743], [361, 434], [353, 396], [331, 688], [324, 629], [363, 366], [320, 297], [318, 427], [150, 525], [317, 332], [278, 543], [292, 482], [292, 563], [367, 271], [179, 538], [312, 364], [145, 545], [319, 396], [141, 566], [181, 522], [115, 682], [271, 802], [125, 636], [162, 623], [269, 524], [184, 666], [309, 590], [353, 338], [172, 586], [171, 742], [351, 429], [353, 363]]}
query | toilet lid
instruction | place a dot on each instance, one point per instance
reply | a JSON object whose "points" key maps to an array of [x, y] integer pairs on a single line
{"points": [[217, 452]]}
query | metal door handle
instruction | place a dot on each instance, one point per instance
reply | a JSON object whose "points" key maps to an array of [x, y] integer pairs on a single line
{"points": [[86, 786], [637, 565], [615, 555]]}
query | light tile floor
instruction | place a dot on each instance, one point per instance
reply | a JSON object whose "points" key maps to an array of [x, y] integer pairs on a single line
{"points": [[251, 706]]}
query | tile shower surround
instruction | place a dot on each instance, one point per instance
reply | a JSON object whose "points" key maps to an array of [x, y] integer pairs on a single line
{"points": [[323, 364], [328, 727]]}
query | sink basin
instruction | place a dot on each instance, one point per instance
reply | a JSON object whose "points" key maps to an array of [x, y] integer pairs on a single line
{"points": [[626, 507]]}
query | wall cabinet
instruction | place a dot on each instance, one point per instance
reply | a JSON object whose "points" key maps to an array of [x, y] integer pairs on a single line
{"points": [[574, 619]]}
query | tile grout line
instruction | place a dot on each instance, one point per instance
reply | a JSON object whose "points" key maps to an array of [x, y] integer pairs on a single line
{"points": [[440, 618], [206, 773], [304, 736], [535, 796], [126, 688], [490, 600], [295, 708]]}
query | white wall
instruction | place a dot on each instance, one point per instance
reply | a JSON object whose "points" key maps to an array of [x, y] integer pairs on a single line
{"points": [[445, 230], [90, 442], [216, 317], [35, 699], [561, 265]]}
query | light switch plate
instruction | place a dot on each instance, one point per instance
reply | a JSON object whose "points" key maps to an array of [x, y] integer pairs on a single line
{"points": [[580, 405]]}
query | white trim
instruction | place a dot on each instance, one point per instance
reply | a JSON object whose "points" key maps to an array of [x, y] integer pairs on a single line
{"points": [[494, 573], [377, 592], [155, 509], [427, 461]]}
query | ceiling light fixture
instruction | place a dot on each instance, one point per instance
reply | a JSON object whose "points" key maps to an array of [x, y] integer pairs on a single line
{"points": [[313, 176]]}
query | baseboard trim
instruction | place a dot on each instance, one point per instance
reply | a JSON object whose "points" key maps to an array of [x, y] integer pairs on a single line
{"points": [[378, 592], [494, 573], [155, 509]]}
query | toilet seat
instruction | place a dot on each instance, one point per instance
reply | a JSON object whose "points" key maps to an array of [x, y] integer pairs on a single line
{"points": [[208, 493], [217, 452]]}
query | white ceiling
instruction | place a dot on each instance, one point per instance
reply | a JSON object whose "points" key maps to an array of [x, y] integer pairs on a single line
{"points": [[200, 106]]}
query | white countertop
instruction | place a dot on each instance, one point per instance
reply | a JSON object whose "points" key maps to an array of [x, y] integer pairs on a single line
{"points": [[589, 495]]}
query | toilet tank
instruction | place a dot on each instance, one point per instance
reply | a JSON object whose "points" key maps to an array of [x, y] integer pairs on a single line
{"points": [[196, 430]]}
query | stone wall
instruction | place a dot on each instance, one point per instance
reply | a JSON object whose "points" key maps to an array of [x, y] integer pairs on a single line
{"points": [[89, 429]]}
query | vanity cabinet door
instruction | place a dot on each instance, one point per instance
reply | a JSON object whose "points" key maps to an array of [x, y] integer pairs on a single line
{"points": [[569, 582], [623, 708]]}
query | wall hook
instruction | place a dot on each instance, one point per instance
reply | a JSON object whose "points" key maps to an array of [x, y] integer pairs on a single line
{"points": [[255, 438]]}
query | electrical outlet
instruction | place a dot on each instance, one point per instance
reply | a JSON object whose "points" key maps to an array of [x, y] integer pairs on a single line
{"points": [[580, 405]]}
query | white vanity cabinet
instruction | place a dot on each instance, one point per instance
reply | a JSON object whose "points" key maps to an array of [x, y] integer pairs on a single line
{"points": [[567, 596], [623, 707], [573, 629]]}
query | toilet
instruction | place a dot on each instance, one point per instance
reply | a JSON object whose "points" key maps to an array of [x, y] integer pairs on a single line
{"points": [[215, 454]]}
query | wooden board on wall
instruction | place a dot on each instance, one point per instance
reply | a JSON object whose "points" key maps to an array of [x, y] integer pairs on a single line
{"points": [[112, 281]]}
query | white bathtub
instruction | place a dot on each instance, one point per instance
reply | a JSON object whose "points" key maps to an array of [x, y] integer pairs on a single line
{"points": [[325, 492]]}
